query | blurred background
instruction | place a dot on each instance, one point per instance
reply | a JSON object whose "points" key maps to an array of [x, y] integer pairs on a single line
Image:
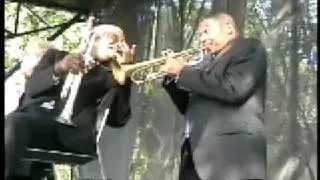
{"points": [[148, 147]]}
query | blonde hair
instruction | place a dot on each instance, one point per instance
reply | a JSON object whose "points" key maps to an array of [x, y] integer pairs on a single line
{"points": [[109, 30]]}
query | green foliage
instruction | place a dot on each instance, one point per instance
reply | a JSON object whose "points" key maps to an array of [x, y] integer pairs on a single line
{"points": [[276, 34], [253, 23], [27, 22]]}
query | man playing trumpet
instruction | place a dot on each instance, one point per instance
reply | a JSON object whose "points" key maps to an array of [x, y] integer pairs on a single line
{"points": [[222, 99], [34, 123]]}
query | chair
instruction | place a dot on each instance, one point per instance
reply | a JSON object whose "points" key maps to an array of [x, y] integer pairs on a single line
{"points": [[58, 157], [70, 158]]}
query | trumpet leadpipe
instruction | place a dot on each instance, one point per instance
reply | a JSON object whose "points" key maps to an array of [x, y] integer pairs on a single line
{"points": [[123, 71]]}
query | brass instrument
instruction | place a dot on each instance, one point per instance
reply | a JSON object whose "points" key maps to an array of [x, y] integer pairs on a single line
{"points": [[149, 70], [72, 83]]}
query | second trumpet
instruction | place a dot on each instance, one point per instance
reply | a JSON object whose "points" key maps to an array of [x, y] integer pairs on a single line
{"points": [[148, 70]]}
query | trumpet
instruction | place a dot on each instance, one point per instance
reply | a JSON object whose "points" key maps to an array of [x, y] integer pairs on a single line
{"points": [[150, 70], [72, 83]]}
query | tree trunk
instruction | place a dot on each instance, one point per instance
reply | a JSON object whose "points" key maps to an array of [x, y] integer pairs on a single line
{"points": [[218, 6], [236, 9], [196, 24], [295, 139], [155, 28], [294, 86], [182, 22]]}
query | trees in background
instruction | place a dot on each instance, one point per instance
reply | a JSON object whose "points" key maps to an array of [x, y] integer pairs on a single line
{"points": [[28, 21], [287, 29]]}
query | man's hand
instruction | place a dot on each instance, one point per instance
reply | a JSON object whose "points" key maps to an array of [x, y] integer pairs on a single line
{"points": [[72, 62], [173, 67]]}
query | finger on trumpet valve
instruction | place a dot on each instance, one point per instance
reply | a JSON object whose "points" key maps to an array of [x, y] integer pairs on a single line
{"points": [[167, 52], [163, 53], [170, 51]]}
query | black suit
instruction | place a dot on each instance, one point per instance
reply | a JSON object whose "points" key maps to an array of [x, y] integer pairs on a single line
{"points": [[225, 107], [32, 125]]}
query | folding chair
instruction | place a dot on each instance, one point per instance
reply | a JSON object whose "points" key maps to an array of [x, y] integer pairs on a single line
{"points": [[70, 158]]}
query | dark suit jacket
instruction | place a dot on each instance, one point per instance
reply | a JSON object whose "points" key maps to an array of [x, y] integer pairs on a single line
{"points": [[41, 87], [225, 107]]}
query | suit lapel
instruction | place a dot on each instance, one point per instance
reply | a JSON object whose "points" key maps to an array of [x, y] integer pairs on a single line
{"points": [[222, 56], [206, 60]]}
